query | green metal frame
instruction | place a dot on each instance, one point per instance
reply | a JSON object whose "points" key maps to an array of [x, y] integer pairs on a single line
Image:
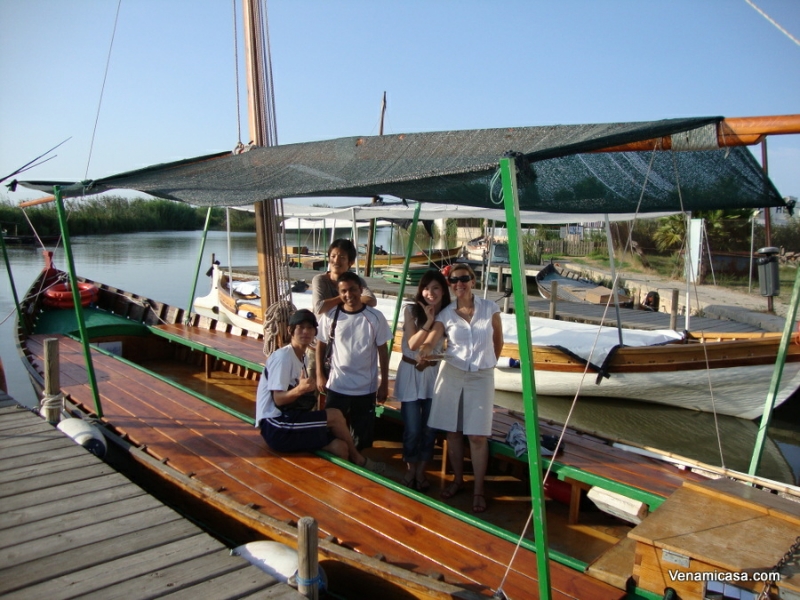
{"points": [[189, 306], [516, 258], [775, 382], [401, 291], [76, 299], [20, 319]]}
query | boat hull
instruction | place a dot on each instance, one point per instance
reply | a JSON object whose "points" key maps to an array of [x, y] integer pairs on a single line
{"points": [[737, 391]]}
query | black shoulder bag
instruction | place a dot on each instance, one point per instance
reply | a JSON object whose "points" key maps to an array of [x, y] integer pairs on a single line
{"points": [[326, 365]]}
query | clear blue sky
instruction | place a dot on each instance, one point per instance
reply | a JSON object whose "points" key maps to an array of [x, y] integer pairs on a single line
{"points": [[447, 64]]}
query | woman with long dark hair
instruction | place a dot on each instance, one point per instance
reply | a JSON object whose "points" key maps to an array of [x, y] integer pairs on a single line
{"points": [[415, 379]]}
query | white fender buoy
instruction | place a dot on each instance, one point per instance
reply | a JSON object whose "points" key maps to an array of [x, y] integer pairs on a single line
{"points": [[279, 560], [84, 433]]}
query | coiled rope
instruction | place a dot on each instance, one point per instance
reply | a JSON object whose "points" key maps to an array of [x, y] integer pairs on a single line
{"points": [[276, 333]]}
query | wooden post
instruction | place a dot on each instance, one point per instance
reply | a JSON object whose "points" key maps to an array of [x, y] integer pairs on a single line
{"points": [[499, 278], [673, 311], [307, 563], [51, 403], [553, 298]]}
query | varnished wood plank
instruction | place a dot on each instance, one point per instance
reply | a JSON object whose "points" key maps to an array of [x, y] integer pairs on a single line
{"points": [[252, 430], [404, 511]]}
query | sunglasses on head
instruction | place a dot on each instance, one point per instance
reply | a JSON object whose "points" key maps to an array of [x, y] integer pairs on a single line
{"points": [[460, 279]]}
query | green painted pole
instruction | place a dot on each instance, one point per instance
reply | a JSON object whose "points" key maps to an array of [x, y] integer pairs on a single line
{"points": [[76, 299], [188, 318], [777, 373], [401, 291], [510, 201], [20, 320], [391, 245]]}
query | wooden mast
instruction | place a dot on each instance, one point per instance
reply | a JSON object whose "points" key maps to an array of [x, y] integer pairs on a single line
{"points": [[263, 132], [371, 234], [736, 131]]}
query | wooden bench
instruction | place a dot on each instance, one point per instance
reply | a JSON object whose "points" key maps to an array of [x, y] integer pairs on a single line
{"points": [[583, 461], [221, 342]]}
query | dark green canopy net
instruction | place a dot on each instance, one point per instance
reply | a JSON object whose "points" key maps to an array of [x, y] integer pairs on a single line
{"points": [[561, 169]]}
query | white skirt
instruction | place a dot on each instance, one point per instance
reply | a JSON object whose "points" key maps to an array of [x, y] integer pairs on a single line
{"points": [[463, 401]]}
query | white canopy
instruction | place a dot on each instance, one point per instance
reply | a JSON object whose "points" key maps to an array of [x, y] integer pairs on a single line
{"points": [[431, 211]]}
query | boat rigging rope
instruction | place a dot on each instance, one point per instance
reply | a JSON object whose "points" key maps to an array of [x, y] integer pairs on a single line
{"points": [[775, 23], [102, 89], [499, 592], [275, 325], [236, 79], [704, 343]]}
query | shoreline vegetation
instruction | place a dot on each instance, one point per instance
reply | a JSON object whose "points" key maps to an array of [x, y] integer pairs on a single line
{"points": [[657, 239], [116, 214]]}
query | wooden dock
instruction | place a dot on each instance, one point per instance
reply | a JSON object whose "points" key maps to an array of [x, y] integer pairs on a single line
{"points": [[72, 526]]}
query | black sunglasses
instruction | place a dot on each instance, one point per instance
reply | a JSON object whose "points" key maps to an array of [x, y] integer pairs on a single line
{"points": [[460, 278]]}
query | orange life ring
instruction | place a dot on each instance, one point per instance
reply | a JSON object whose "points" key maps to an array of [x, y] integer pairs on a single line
{"points": [[60, 295]]}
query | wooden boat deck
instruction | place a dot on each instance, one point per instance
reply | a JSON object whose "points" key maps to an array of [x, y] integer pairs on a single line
{"points": [[72, 526], [584, 457], [358, 509]]}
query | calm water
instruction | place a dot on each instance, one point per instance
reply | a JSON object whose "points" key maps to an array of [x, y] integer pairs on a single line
{"points": [[162, 266]]}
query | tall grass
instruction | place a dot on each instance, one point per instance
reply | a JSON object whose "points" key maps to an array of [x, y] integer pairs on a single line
{"points": [[115, 214]]}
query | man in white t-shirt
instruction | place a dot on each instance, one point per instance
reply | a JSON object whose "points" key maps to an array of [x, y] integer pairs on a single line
{"points": [[359, 334], [285, 402]]}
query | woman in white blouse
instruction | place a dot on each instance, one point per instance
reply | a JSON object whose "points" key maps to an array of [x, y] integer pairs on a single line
{"points": [[463, 396]]}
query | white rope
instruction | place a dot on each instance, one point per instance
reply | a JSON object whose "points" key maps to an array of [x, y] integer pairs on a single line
{"points": [[102, 89], [771, 20], [275, 320], [690, 276]]}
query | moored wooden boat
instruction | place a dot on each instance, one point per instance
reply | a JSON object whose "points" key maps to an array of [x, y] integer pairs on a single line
{"points": [[219, 458], [574, 288], [437, 256]]}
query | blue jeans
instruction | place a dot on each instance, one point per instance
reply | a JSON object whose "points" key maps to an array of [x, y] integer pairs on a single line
{"points": [[418, 438]]}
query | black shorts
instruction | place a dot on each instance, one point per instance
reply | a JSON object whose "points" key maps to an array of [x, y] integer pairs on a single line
{"points": [[360, 413], [297, 431]]}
